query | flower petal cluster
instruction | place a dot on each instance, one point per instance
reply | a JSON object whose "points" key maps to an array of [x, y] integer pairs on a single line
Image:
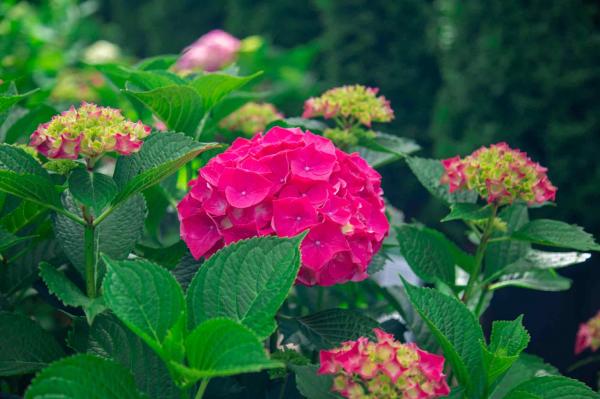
{"points": [[500, 175], [588, 335], [358, 103], [251, 118], [89, 130], [210, 52], [284, 182], [386, 369]]}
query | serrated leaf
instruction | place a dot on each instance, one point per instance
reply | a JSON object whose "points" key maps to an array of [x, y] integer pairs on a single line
{"points": [[329, 328], [144, 296], [552, 387], [107, 337], [555, 233], [257, 275], [24, 346], [525, 368], [312, 385], [8, 100], [32, 188], [458, 333], [213, 87], [83, 376], [541, 280], [222, 347], [94, 190], [386, 148], [466, 211], [429, 172], [426, 253], [24, 214]]}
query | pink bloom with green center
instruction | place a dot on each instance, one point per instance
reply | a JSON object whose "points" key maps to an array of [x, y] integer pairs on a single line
{"points": [[284, 182], [385, 369], [251, 118], [90, 131], [210, 52], [355, 103], [500, 175], [588, 335]]}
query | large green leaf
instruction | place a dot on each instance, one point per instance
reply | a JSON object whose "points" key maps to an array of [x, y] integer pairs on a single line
{"points": [[109, 338], [26, 122], [83, 376], [213, 87], [144, 296], [246, 281], [525, 368], [542, 280], [29, 187], [19, 161], [312, 385], [458, 333], [386, 148], [552, 387], [508, 340], [426, 253], [24, 346], [329, 328], [221, 347], [555, 233], [8, 100], [429, 172], [94, 190], [24, 214]]}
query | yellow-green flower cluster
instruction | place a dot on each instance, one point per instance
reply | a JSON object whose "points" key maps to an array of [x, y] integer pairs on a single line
{"points": [[348, 137], [89, 130], [251, 118]]}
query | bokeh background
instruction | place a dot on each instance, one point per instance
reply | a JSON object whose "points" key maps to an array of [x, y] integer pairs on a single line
{"points": [[459, 74]]}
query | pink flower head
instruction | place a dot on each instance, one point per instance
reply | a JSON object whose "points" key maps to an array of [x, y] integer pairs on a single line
{"points": [[588, 335], [89, 130], [500, 175], [284, 182], [210, 52], [384, 369]]}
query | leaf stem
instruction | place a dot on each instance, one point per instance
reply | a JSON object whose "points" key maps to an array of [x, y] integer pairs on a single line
{"points": [[89, 242], [583, 362], [202, 388], [200, 128]]}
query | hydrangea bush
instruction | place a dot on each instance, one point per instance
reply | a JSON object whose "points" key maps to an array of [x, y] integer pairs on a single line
{"points": [[176, 263]]}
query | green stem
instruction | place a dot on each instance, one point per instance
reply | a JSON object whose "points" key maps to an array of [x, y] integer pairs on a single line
{"points": [[202, 388], [584, 362], [479, 254], [90, 259], [200, 128], [283, 386]]}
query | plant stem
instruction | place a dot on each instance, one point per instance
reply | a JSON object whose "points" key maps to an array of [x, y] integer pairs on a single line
{"points": [[283, 387], [479, 254], [584, 362], [202, 388], [89, 242]]}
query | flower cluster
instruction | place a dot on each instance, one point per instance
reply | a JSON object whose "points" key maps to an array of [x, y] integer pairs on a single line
{"points": [[251, 118], [500, 175], [89, 130], [588, 335], [353, 103], [386, 369], [210, 52], [285, 182]]}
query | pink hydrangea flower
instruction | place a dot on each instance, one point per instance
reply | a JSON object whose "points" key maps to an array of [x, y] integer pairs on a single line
{"points": [[89, 130], [500, 175], [210, 52], [588, 335], [284, 182], [386, 369]]}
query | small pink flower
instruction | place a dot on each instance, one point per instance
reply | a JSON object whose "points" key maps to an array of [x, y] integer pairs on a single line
{"points": [[210, 52], [588, 335]]}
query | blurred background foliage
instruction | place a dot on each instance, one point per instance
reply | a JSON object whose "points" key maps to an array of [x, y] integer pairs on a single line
{"points": [[458, 74]]}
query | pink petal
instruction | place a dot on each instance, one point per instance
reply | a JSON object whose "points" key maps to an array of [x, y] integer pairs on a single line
{"points": [[199, 233], [244, 189], [321, 244], [311, 164], [292, 216]]}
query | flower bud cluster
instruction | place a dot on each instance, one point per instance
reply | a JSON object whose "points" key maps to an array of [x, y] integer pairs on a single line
{"points": [[588, 335], [251, 118], [210, 52]]}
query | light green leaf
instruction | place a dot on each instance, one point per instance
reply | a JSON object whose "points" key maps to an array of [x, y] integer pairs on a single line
{"points": [[458, 333], [542, 280], [426, 253], [257, 275], [213, 87], [429, 172], [94, 190], [312, 385], [552, 387], [83, 376], [467, 211], [24, 346], [222, 347], [144, 296], [8, 100], [525, 368], [556, 234]]}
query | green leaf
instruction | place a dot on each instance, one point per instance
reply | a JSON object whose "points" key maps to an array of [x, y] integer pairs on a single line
{"points": [[222, 347], [107, 337], [467, 211], [185, 270], [83, 376], [161, 155], [8, 100], [28, 121], [542, 280], [508, 340], [17, 160], [213, 87], [329, 328], [32, 188], [24, 214], [144, 296], [525, 368], [167, 257], [312, 385], [8, 240], [426, 253], [556, 234], [180, 107], [552, 387], [386, 148], [24, 346], [257, 275], [535, 260], [94, 190], [429, 172], [458, 333]]}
